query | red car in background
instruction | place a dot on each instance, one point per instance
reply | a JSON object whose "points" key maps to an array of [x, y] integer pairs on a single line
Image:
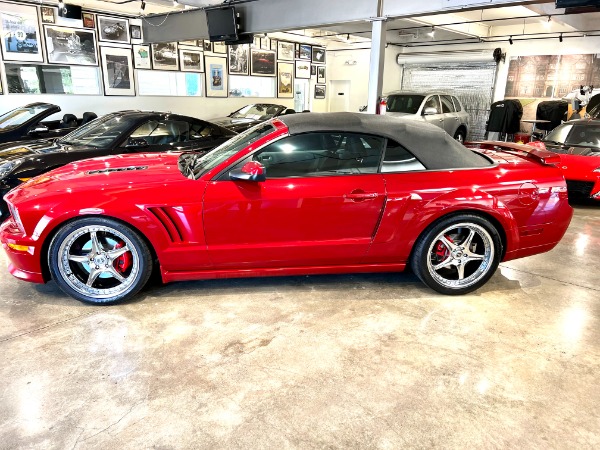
{"points": [[300, 194], [578, 143]]}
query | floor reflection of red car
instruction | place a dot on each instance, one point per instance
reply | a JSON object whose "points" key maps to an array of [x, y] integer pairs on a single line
{"points": [[578, 143], [300, 194]]}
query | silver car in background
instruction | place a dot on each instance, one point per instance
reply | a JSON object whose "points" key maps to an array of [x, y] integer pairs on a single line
{"points": [[437, 108]]}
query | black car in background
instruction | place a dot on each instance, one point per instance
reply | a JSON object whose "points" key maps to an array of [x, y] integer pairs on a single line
{"points": [[27, 123], [116, 133], [250, 115]]}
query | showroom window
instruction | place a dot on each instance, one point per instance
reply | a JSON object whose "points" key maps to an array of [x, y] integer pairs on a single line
{"points": [[163, 83], [317, 154]]}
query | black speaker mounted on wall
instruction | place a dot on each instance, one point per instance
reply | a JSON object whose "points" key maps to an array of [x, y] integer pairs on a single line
{"points": [[70, 12]]}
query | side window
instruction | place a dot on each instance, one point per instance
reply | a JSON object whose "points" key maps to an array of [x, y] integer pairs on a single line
{"points": [[447, 106], [398, 159], [456, 104], [163, 132], [433, 102], [199, 130], [319, 154]]}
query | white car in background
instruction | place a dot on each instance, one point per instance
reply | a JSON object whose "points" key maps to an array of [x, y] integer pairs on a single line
{"points": [[437, 108]]}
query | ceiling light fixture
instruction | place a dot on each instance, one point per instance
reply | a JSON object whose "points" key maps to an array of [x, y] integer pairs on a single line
{"points": [[510, 40], [432, 32], [142, 7], [560, 38], [547, 23], [348, 37], [175, 4]]}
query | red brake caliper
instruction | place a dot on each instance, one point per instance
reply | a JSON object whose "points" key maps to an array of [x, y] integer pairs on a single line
{"points": [[124, 261], [441, 251]]}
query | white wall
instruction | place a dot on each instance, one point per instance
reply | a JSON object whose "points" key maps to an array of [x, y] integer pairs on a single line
{"points": [[201, 107], [340, 66]]}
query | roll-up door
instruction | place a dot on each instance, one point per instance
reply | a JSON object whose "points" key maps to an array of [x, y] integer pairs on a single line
{"points": [[472, 83]]}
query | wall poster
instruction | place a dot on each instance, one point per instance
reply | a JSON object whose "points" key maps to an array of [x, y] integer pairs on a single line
{"points": [[117, 68], [216, 76], [285, 80], [20, 33]]}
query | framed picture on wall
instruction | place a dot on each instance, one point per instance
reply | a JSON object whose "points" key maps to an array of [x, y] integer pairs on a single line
{"points": [[20, 33], [273, 45], [263, 63], [113, 29], [305, 51], [190, 43], [191, 60], [66, 45], [318, 55], [135, 32], [207, 45], [165, 56], [320, 74], [313, 70], [320, 91], [265, 43], [285, 80], [141, 57], [285, 51], [216, 76], [297, 51], [48, 14], [219, 47], [302, 69], [239, 59], [117, 70], [89, 21]]}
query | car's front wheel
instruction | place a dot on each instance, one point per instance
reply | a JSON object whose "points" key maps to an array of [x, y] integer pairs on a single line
{"points": [[457, 254], [99, 260]]}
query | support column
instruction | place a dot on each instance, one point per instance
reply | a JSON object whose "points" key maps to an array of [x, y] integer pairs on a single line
{"points": [[378, 42]]}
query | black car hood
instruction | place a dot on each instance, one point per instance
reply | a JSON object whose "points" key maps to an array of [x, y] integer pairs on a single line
{"points": [[15, 150]]}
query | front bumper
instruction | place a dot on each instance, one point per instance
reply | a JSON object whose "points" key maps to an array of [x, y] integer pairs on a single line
{"points": [[23, 264]]}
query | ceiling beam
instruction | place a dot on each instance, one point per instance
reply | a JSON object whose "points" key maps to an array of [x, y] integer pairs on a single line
{"points": [[264, 16]]}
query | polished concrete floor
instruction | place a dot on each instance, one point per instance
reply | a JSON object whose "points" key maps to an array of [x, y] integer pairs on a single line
{"points": [[362, 361]]}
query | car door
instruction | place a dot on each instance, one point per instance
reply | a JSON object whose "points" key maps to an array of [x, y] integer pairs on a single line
{"points": [[436, 119], [320, 204], [451, 121]]}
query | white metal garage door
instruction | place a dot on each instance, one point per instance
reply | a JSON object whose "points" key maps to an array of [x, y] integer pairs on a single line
{"points": [[472, 83]]}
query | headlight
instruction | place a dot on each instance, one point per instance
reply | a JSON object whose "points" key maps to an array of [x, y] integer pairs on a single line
{"points": [[7, 167]]}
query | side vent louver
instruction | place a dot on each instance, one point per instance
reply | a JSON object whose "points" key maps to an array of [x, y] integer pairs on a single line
{"points": [[169, 221]]}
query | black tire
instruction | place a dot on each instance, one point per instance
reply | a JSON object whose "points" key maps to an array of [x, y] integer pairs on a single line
{"points": [[460, 135], [430, 252], [114, 258]]}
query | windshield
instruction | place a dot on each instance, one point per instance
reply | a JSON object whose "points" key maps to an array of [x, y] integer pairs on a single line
{"points": [[257, 112], [582, 135], [100, 133], [404, 103], [19, 116], [193, 165]]}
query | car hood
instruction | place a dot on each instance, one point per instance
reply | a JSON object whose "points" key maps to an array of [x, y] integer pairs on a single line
{"points": [[109, 172], [17, 150]]}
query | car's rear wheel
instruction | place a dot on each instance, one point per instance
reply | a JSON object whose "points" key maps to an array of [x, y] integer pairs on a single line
{"points": [[458, 254], [460, 135], [99, 260]]}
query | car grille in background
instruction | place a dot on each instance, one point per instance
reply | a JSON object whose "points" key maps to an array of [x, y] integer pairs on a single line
{"points": [[579, 189], [170, 222], [118, 169]]}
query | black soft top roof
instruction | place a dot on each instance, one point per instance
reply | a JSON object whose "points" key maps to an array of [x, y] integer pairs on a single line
{"points": [[429, 143]]}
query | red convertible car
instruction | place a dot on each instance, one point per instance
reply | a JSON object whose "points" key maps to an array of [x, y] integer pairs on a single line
{"points": [[300, 194], [578, 143]]}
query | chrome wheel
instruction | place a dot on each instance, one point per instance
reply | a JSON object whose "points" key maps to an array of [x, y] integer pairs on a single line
{"points": [[98, 261], [460, 255]]}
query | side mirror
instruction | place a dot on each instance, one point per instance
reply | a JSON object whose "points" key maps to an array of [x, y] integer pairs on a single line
{"points": [[251, 171], [134, 143], [39, 129], [430, 111]]}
